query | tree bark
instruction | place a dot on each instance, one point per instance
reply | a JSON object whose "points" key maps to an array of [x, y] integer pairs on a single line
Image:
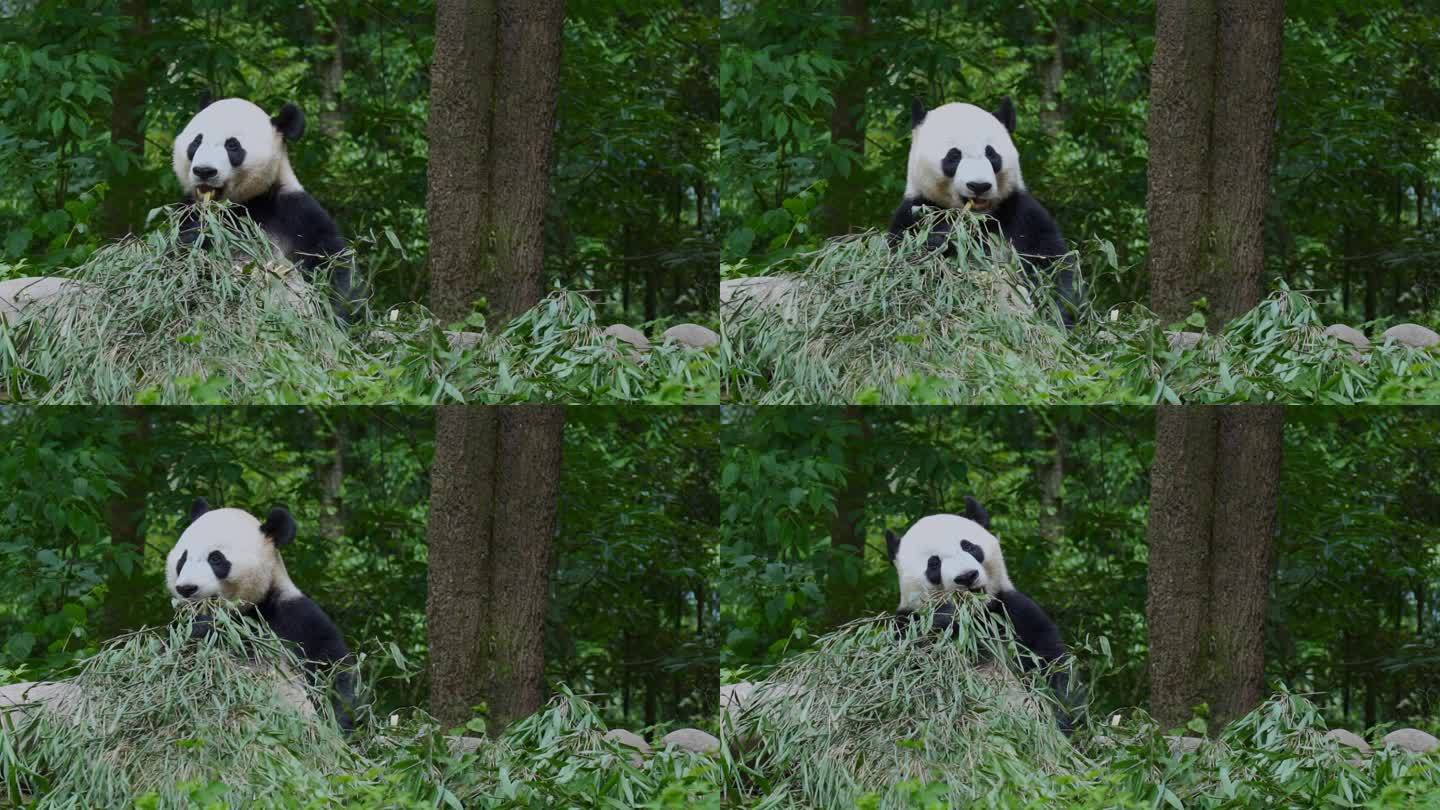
{"points": [[331, 475], [124, 516], [458, 184], [120, 210], [845, 117], [1052, 114], [1214, 488], [489, 540], [332, 117], [1213, 88], [1052, 479], [846, 536]]}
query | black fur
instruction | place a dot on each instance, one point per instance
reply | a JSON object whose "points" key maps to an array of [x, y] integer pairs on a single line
{"points": [[290, 122], [279, 526], [198, 507], [1020, 218], [974, 511], [301, 622], [298, 220]]}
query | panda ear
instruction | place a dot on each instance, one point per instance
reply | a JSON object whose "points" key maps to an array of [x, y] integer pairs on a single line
{"points": [[290, 121], [917, 112], [892, 545], [279, 526], [1006, 113], [206, 99], [976, 512], [198, 508]]}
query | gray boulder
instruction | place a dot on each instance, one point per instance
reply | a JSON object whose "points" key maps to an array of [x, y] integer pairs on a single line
{"points": [[1351, 335], [1184, 340], [693, 335], [1411, 739], [1184, 745], [1412, 334], [692, 739], [628, 334], [633, 740], [1348, 738]]}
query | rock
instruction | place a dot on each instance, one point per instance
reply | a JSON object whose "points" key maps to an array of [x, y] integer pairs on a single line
{"points": [[19, 293], [692, 739], [53, 695], [737, 295], [693, 335], [628, 334], [1179, 341], [1412, 334], [733, 697], [460, 341], [1349, 738], [464, 745], [1348, 334], [633, 740], [1411, 739], [1184, 745]]}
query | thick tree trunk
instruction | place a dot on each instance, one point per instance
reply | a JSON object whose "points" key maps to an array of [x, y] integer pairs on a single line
{"points": [[1214, 488], [489, 540], [458, 197], [526, 499], [120, 211], [524, 132], [1213, 90], [845, 118], [1052, 479], [331, 475], [462, 507], [332, 117]]}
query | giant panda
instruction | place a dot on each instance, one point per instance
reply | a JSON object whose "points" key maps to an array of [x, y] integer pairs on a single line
{"points": [[949, 553], [963, 155], [230, 554], [233, 150]]}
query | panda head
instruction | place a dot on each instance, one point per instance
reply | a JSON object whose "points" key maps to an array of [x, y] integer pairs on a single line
{"points": [[946, 554], [230, 554], [236, 151], [962, 154]]}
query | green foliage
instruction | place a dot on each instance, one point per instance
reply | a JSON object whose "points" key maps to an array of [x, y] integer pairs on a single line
{"points": [[99, 496], [869, 324], [866, 720], [162, 720], [153, 320], [1068, 493]]}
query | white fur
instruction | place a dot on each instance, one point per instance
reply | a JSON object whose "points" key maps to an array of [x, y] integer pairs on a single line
{"points": [[255, 564], [266, 160], [940, 536], [969, 129]]}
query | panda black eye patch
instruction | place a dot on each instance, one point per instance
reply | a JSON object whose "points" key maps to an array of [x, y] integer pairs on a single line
{"points": [[951, 162], [219, 564], [994, 158], [180, 563], [235, 151], [973, 550], [932, 570], [194, 145]]}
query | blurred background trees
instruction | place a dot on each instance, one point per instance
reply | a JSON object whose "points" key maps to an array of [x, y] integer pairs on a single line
{"points": [[815, 130], [92, 93], [99, 496], [1350, 613]]}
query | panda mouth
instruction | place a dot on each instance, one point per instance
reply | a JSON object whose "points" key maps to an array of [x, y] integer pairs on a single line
{"points": [[207, 193], [980, 205]]}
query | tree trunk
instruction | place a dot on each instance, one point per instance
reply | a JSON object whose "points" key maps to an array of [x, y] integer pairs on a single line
{"points": [[458, 191], [527, 497], [125, 199], [845, 119], [524, 132], [847, 539], [332, 117], [1214, 488], [1052, 115], [1052, 480], [1213, 92], [125, 517], [489, 540], [331, 475]]}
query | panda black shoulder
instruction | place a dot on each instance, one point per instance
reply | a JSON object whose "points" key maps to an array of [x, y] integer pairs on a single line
{"points": [[299, 620], [1035, 630], [1029, 226]]}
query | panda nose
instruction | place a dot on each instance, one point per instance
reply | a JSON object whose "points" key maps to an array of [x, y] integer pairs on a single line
{"points": [[204, 172], [186, 591], [978, 188], [967, 578]]}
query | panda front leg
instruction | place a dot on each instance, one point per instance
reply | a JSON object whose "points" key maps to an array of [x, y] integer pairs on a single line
{"points": [[905, 219]]}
